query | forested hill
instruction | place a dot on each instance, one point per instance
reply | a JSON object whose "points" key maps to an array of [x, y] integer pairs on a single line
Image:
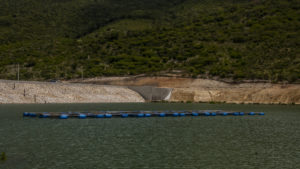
{"points": [[238, 39]]}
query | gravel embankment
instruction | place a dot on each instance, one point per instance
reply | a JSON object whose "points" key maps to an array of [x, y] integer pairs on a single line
{"points": [[44, 92]]}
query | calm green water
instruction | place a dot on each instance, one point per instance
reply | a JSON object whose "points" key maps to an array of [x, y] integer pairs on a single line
{"points": [[262, 142]]}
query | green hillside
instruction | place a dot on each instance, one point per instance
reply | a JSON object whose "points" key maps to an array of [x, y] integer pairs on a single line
{"points": [[239, 39]]}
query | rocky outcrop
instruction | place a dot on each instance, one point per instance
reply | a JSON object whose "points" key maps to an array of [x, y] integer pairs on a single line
{"points": [[264, 94], [42, 92]]}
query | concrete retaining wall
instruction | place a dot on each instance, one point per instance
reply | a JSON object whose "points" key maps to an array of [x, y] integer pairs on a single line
{"points": [[150, 93]]}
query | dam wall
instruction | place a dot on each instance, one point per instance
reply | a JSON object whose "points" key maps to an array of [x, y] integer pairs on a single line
{"points": [[151, 93]]}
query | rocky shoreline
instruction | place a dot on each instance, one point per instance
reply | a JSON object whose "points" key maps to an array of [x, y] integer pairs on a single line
{"points": [[145, 89], [207, 90], [47, 92]]}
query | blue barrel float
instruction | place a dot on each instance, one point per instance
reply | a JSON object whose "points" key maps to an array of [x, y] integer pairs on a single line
{"points": [[241, 113], [181, 114], [108, 115], [224, 113], [162, 114], [195, 114], [236, 113], [175, 114], [147, 115], [124, 115], [213, 113], [82, 116], [63, 116], [206, 113], [251, 113], [261, 113], [100, 116], [140, 115]]}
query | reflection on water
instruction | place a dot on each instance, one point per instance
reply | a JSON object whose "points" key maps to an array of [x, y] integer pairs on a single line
{"points": [[270, 141]]}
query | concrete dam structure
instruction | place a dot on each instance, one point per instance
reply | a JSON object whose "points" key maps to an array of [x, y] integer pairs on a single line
{"points": [[150, 93]]}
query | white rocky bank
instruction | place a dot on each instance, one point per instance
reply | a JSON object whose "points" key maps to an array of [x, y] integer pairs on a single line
{"points": [[44, 92]]}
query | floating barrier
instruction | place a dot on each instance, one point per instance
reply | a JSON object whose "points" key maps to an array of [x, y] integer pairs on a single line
{"points": [[162, 115], [125, 114], [140, 115], [236, 113], [82, 116], [251, 113], [195, 114], [181, 114], [63, 116], [100, 116], [108, 115]]}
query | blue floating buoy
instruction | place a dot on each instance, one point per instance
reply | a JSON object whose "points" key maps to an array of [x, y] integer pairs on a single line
{"points": [[108, 115], [241, 113], [261, 113], [147, 115], [82, 116], [25, 114], [124, 115], [162, 114], [213, 114], [181, 114], [225, 114], [63, 116], [175, 114], [195, 114], [100, 116], [207, 114], [235, 113], [251, 113], [140, 115]]}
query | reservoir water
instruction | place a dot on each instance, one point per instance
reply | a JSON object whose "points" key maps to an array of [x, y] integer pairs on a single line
{"points": [[215, 142]]}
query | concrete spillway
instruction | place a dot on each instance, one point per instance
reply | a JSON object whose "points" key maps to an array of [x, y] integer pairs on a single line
{"points": [[150, 93]]}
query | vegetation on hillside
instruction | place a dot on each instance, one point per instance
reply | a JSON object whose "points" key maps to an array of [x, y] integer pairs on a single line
{"points": [[240, 39]]}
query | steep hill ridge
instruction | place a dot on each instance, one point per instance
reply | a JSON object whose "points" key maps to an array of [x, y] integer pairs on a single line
{"points": [[238, 39]]}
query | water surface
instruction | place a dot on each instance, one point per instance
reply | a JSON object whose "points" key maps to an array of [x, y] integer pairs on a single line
{"points": [[233, 142]]}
